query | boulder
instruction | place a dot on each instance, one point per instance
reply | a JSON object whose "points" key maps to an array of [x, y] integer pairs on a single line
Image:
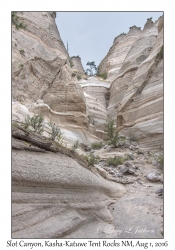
{"points": [[129, 164], [154, 176], [159, 191]]}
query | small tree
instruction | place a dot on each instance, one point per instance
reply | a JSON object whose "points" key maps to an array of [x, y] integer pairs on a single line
{"points": [[75, 146], [92, 159], [92, 68], [67, 47], [111, 132], [55, 132], [35, 122]]}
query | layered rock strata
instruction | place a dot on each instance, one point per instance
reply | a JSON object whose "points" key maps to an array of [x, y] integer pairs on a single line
{"points": [[40, 65], [142, 105], [136, 95], [52, 194], [97, 96], [77, 64], [117, 53], [41, 71]]}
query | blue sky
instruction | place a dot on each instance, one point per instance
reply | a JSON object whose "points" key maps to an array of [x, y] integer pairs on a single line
{"points": [[90, 34]]}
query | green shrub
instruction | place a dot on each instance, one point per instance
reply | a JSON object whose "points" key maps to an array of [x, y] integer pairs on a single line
{"points": [[79, 77], [21, 65], [16, 22], [75, 146], [22, 51], [117, 160], [71, 63], [103, 75], [92, 159], [160, 53], [97, 145], [55, 132], [35, 122], [111, 132], [161, 161]]}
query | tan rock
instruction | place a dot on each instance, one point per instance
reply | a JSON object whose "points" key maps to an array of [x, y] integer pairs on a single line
{"points": [[52, 196], [117, 53], [77, 64]]}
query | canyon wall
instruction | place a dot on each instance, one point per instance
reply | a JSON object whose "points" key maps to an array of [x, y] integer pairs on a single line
{"points": [[77, 65], [117, 53], [136, 93], [41, 71], [54, 193]]}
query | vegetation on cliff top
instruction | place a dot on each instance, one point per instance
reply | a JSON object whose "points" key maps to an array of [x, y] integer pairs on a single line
{"points": [[16, 22]]}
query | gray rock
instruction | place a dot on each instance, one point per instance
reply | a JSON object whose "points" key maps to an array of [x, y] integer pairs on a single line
{"points": [[119, 175], [154, 163], [111, 171], [159, 191], [131, 171], [154, 176], [129, 164], [131, 156], [140, 152], [124, 170], [134, 143], [88, 148], [157, 154], [137, 167], [92, 151], [120, 167], [127, 145]]}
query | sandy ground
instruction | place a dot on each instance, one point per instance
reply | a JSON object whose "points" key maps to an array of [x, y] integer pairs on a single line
{"points": [[138, 213]]}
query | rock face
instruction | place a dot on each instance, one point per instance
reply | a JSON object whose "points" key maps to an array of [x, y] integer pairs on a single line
{"points": [[53, 195], [136, 94], [96, 93], [41, 71], [40, 65], [77, 64], [117, 53]]}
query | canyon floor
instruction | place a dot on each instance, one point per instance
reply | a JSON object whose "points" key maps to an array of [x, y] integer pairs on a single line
{"points": [[139, 212], [54, 196]]}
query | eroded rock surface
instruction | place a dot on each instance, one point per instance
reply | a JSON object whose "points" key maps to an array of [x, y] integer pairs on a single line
{"points": [[117, 53], [77, 64], [53, 195], [136, 93], [41, 71]]}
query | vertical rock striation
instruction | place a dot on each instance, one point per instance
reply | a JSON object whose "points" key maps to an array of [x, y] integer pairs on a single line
{"points": [[41, 70], [77, 64], [117, 53], [136, 99], [97, 97]]}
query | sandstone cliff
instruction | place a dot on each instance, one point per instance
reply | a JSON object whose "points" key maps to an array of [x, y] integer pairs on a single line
{"points": [[77, 65], [117, 53], [55, 192], [52, 194], [136, 94], [41, 71]]}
